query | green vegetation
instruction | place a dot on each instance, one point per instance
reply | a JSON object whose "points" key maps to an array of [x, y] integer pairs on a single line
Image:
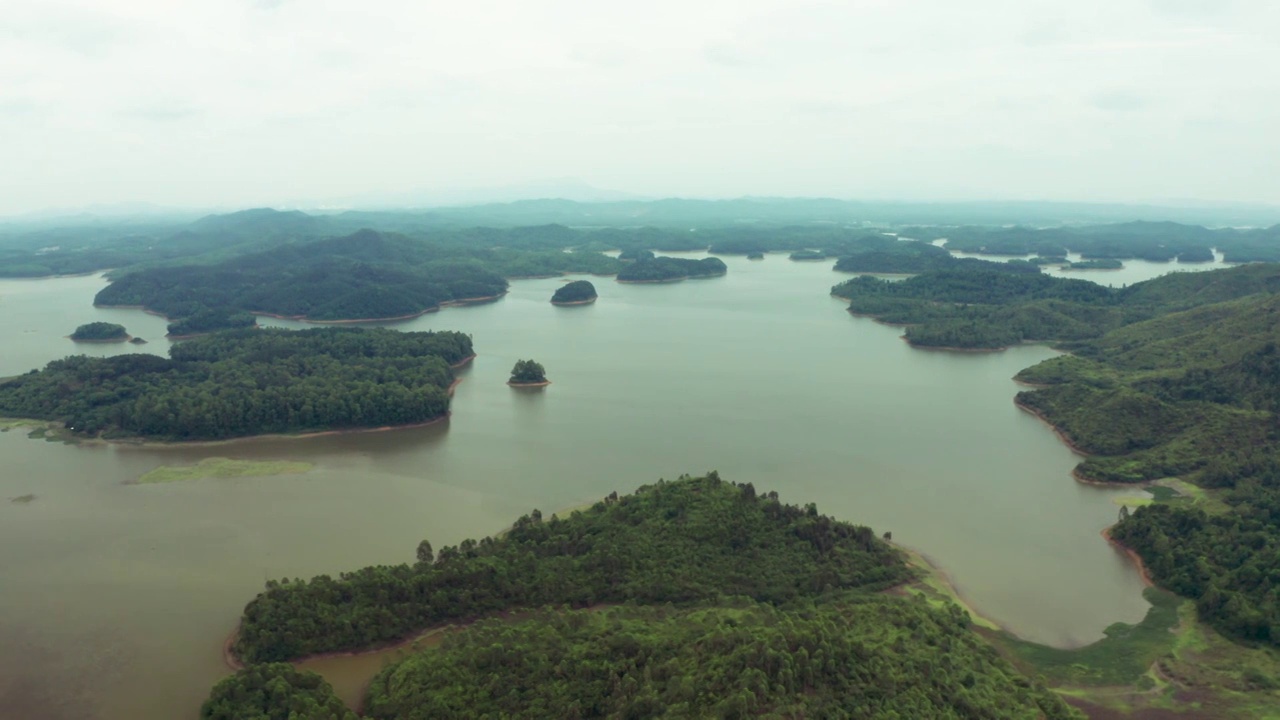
{"points": [[362, 276], [981, 307], [210, 320], [808, 255], [137, 341], [1123, 657], [849, 657], [755, 255], [223, 468], [100, 332], [636, 254], [23, 499], [573, 293], [1102, 264], [247, 382], [691, 540], [1189, 393], [667, 269], [528, 372], [734, 605], [1196, 255], [274, 691], [1155, 241]]}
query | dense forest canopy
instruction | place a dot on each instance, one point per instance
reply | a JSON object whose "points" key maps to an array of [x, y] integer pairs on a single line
{"points": [[100, 331], [1193, 393], [577, 291], [247, 382], [274, 691], [528, 372], [848, 657], [689, 540], [991, 305], [732, 605], [665, 269]]}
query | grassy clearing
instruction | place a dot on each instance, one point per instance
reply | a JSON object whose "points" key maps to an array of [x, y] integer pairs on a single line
{"points": [[1123, 657], [223, 468]]}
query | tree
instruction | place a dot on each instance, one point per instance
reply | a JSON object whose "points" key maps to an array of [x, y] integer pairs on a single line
{"points": [[425, 554], [528, 372]]}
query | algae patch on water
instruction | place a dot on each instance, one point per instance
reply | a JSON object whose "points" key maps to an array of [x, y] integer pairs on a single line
{"points": [[218, 467]]}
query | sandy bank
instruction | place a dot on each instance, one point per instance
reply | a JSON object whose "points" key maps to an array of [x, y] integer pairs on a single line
{"points": [[562, 303], [529, 385]]}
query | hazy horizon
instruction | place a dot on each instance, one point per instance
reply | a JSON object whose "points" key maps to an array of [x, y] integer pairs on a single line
{"points": [[281, 103]]}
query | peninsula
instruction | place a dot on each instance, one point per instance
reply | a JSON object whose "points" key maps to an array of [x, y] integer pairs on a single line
{"points": [[247, 382], [100, 332], [758, 608]]}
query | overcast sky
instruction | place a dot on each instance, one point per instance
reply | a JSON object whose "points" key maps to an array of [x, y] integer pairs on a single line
{"points": [[278, 102]]}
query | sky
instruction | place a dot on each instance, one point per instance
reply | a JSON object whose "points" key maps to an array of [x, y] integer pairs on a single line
{"points": [[238, 103]]}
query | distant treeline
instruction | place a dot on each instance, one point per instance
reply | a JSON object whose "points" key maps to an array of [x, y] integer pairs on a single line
{"points": [[1155, 241], [663, 269], [247, 382], [992, 305]]}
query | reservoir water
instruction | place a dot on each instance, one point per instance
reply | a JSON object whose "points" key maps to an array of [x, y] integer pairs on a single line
{"points": [[115, 598]]}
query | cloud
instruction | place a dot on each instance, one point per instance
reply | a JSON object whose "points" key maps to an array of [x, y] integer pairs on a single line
{"points": [[1120, 101], [278, 100]]}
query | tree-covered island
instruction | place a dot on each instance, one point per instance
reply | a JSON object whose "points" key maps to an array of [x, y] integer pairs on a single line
{"points": [[671, 269], [100, 332], [248, 382], [577, 292], [688, 599], [528, 373]]}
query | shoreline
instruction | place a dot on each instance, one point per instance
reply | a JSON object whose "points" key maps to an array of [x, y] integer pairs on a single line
{"points": [[1133, 556], [544, 383], [671, 280], [156, 444], [574, 302], [100, 341], [459, 302], [234, 663], [1066, 440]]}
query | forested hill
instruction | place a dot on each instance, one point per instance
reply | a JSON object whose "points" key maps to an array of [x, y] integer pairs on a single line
{"points": [[683, 541], [360, 276], [976, 307], [247, 382], [1194, 394], [733, 604], [863, 657]]}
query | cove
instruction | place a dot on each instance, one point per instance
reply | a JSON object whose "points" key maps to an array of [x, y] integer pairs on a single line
{"points": [[118, 597]]}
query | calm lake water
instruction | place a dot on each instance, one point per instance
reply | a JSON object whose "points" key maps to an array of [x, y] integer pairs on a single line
{"points": [[115, 598]]}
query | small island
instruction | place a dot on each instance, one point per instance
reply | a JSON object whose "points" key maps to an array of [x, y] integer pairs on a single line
{"points": [[757, 255], [670, 269], [808, 255], [1098, 264], [528, 373], [578, 292], [138, 341], [100, 332]]}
